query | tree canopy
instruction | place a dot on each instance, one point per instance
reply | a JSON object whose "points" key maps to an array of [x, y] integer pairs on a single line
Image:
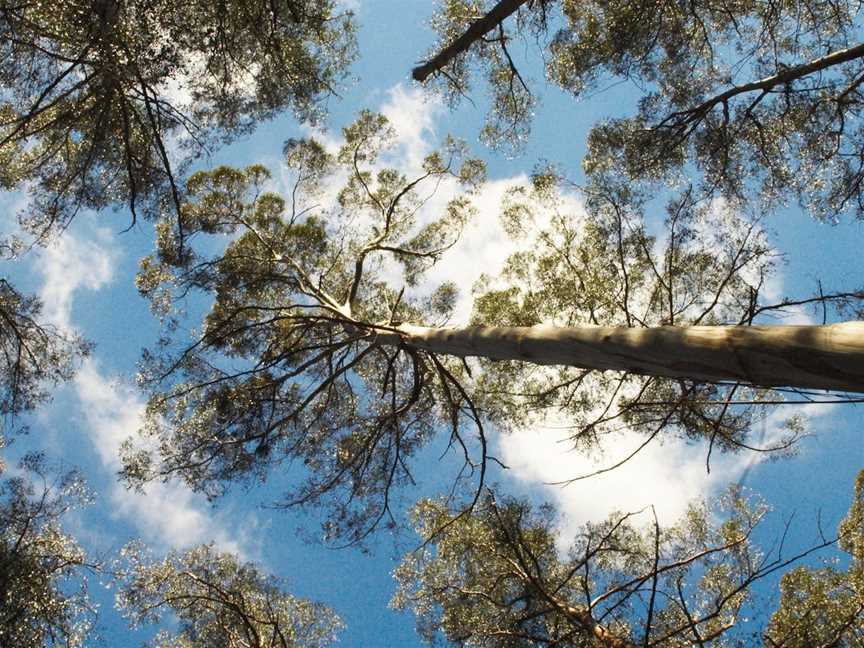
{"points": [[300, 299], [759, 97], [104, 102], [500, 577], [44, 599], [221, 602]]}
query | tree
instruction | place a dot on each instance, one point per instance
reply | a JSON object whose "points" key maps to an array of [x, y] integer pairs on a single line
{"points": [[825, 606], [33, 355], [791, 127], [300, 297], [104, 102], [499, 577], [43, 571], [221, 603], [309, 354]]}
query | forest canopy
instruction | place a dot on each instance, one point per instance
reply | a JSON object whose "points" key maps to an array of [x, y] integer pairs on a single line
{"points": [[359, 324]]}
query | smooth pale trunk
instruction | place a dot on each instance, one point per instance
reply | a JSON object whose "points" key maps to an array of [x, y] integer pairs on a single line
{"points": [[810, 357]]}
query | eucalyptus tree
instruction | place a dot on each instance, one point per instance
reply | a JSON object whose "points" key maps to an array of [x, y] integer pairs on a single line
{"points": [[103, 102], [825, 606], [33, 354], [323, 346], [500, 576], [220, 602], [289, 364], [43, 571], [760, 96]]}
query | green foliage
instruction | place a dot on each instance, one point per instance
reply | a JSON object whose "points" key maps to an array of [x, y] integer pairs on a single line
{"points": [[501, 577], [825, 606], [292, 363], [104, 101], [33, 355], [762, 97], [220, 603], [510, 95], [43, 579]]}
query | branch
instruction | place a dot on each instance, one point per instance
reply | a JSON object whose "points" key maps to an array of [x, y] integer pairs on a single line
{"points": [[479, 28]]}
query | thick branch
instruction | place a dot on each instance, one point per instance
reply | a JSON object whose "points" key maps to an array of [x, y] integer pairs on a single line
{"points": [[811, 357], [786, 75], [480, 27]]}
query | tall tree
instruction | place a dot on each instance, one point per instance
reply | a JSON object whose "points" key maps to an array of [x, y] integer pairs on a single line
{"points": [[499, 577], [43, 572], [104, 101], [220, 602], [758, 95], [310, 352]]}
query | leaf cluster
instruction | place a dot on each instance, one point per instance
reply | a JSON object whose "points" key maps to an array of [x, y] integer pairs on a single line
{"points": [[103, 102], [220, 602]]}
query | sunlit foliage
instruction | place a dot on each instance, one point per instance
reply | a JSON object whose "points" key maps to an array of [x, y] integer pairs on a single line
{"points": [[825, 606], [763, 96], [220, 602], [102, 101], [502, 577], [43, 571]]}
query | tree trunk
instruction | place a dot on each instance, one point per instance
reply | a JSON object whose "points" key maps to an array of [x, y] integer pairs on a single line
{"points": [[809, 357], [478, 28]]}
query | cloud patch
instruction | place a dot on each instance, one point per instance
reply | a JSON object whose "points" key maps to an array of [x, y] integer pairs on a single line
{"points": [[70, 264], [668, 473], [168, 514]]}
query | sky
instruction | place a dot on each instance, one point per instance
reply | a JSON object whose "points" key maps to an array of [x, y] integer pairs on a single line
{"points": [[86, 279]]}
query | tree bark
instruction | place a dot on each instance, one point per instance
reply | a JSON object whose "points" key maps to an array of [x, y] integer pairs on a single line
{"points": [[593, 627], [808, 357], [478, 28]]}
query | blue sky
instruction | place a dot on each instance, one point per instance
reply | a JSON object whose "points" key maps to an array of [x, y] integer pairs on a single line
{"points": [[86, 281]]}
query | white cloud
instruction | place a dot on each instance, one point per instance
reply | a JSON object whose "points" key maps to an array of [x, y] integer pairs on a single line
{"points": [[412, 114], [482, 249], [668, 473], [70, 264], [169, 514]]}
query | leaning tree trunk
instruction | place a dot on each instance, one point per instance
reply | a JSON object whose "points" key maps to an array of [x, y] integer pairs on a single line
{"points": [[810, 357]]}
